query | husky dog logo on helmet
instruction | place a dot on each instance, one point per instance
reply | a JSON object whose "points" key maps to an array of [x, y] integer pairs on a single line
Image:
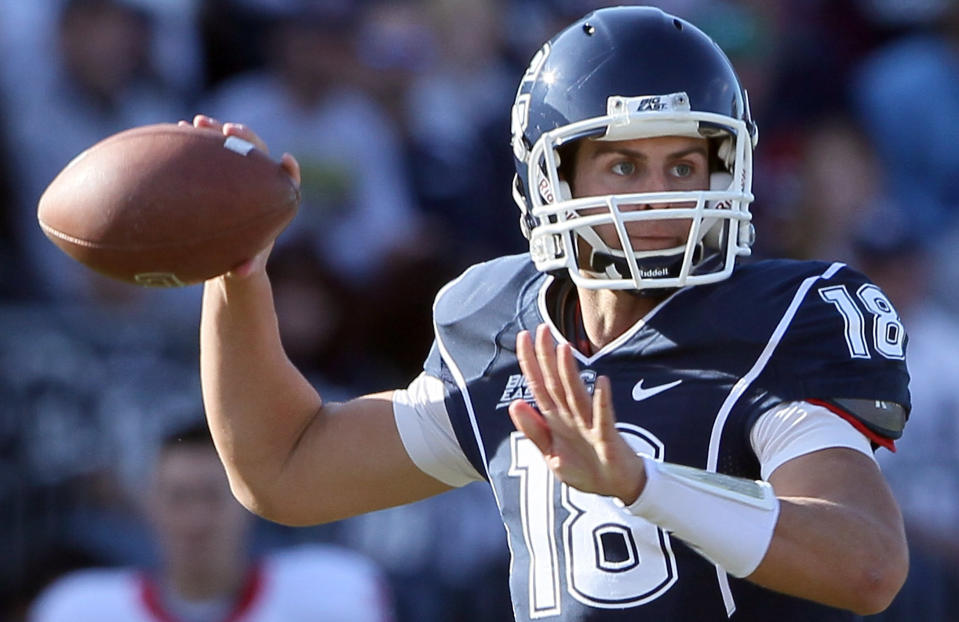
{"points": [[519, 116]]}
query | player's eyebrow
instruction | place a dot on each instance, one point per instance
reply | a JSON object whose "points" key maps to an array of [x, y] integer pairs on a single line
{"points": [[602, 149]]}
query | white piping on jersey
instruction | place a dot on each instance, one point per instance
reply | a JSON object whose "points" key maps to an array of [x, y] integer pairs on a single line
{"points": [[559, 337], [459, 378], [461, 383], [740, 387]]}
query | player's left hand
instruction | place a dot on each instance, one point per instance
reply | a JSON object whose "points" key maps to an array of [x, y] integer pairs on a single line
{"points": [[576, 432]]}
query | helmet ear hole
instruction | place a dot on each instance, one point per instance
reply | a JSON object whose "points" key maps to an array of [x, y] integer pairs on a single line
{"points": [[719, 180]]}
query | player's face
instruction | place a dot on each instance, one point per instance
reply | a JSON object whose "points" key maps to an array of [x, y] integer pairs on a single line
{"points": [[197, 519], [660, 164]]}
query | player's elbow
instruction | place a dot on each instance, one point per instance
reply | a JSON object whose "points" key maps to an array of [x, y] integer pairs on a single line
{"points": [[249, 496], [880, 580], [259, 501], [269, 500]]}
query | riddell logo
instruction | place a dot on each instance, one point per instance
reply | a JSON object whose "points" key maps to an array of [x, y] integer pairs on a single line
{"points": [[545, 191], [654, 272]]}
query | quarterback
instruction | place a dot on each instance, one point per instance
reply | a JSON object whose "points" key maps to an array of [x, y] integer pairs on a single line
{"points": [[671, 432]]}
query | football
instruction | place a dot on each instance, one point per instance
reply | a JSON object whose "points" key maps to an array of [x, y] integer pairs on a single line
{"points": [[167, 205]]}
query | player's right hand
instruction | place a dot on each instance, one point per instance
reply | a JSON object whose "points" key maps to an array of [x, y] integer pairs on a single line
{"points": [[257, 263]]}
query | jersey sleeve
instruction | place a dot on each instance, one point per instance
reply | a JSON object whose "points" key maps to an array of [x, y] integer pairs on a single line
{"points": [[475, 319], [794, 429], [844, 347], [424, 426]]}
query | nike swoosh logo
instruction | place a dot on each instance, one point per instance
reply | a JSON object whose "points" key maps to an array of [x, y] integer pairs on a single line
{"points": [[640, 394]]}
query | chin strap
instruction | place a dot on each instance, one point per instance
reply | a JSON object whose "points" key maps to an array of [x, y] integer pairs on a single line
{"points": [[661, 266]]}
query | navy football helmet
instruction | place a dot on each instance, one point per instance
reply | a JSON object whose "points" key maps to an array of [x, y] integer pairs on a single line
{"points": [[624, 73]]}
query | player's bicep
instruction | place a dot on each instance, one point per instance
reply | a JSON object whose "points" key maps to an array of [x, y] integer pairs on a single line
{"points": [[846, 478], [349, 460]]}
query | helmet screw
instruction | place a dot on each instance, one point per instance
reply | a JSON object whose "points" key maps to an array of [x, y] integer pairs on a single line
{"points": [[589, 29]]}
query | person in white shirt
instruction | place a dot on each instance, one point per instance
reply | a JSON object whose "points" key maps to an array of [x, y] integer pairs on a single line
{"points": [[205, 572]]}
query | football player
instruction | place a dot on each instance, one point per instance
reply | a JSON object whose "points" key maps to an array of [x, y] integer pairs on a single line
{"points": [[668, 434]]}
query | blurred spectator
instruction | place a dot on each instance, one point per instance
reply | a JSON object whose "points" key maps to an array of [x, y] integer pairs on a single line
{"points": [[818, 44], [395, 43], [831, 185], [102, 82], [205, 572], [457, 116], [313, 314], [356, 207], [176, 46], [358, 222], [907, 93], [84, 394], [924, 472]]}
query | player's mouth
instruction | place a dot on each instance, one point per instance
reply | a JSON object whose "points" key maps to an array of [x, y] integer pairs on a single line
{"points": [[647, 240]]}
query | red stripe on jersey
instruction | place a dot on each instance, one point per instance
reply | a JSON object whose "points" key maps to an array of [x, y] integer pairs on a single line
{"points": [[251, 589], [150, 596], [252, 586], [878, 439]]}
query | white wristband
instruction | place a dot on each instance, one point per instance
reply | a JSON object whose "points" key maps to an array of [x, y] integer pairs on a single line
{"points": [[728, 520]]}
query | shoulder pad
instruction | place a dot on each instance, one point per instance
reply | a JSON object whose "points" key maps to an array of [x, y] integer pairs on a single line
{"points": [[471, 314], [827, 332], [888, 419]]}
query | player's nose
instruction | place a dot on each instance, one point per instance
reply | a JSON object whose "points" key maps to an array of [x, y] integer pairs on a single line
{"points": [[650, 183]]}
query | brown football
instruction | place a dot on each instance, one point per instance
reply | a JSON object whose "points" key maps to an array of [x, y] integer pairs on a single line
{"points": [[167, 205]]}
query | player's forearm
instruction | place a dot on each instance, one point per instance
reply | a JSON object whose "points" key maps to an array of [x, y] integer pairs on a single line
{"points": [[834, 554], [257, 403]]}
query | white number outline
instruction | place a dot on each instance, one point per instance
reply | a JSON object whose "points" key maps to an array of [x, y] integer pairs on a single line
{"points": [[855, 325], [543, 571], [884, 317], [527, 464]]}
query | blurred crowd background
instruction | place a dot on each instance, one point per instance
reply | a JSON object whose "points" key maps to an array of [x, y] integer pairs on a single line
{"points": [[398, 112]]}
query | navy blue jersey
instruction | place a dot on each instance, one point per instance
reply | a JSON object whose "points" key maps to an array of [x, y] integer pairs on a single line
{"points": [[688, 383]]}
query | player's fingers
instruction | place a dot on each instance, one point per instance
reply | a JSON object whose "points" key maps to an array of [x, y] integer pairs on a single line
{"points": [[577, 397], [529, 365], [202, 120], [292, 167], [532, 425], [546, 357]]}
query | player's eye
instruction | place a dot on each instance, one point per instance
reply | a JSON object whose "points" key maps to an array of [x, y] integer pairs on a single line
{"points": [[682, 170], [623, 168]]}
